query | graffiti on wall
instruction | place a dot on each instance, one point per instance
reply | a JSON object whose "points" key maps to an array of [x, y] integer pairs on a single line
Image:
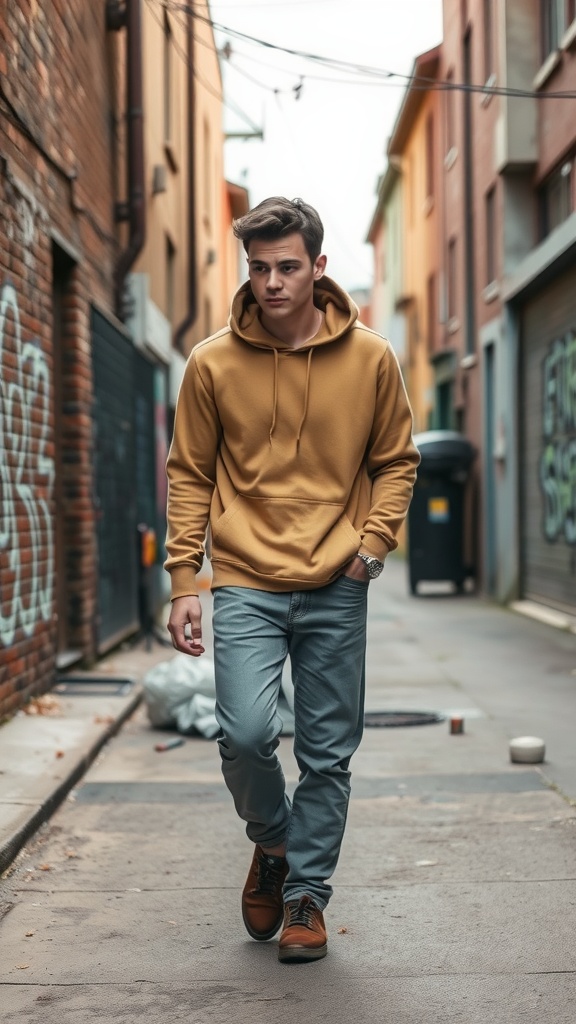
{"points": [[26, 478], [558, 460]]}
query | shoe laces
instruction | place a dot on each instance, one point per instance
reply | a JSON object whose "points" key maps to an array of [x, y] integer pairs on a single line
{"points": [[269, 875], [301, 912]]}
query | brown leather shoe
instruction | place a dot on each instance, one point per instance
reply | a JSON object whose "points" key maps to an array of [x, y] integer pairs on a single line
{"points": [[304, 934], [262, 905]]}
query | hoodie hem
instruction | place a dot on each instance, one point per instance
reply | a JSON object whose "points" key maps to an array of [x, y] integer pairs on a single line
{"points": [[225, 574]]}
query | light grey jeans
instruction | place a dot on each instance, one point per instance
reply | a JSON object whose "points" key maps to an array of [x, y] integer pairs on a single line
{"points": [[324, 632]]}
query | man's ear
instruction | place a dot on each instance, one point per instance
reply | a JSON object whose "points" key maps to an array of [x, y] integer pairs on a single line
{"points": [[319, 267]]}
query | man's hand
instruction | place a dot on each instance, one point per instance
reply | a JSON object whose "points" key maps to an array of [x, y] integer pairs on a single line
{"points": [[357, 570], [186, 612]]}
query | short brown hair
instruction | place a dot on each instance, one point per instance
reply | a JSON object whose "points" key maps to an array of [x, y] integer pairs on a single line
{"points": [[275, 217]]}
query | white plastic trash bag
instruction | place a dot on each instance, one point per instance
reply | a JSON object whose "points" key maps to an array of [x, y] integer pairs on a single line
{"points": [[180, 694]]}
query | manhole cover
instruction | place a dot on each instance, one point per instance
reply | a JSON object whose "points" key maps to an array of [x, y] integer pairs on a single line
{"points": [[93, 686], [393, 719]]}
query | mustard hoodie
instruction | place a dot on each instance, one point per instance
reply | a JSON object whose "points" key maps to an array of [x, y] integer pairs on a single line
{"points": [[294, 460]]}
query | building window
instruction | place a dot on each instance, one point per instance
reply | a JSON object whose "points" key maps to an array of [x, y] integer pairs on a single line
{"points": [[207, 317], [491, 236], [556, 203], [551, 26], [410, 191], [167, 80], [431, 314], [451, 282], [170, 280], [429, 157], [207, 144], [488, 40], [449, 100]]}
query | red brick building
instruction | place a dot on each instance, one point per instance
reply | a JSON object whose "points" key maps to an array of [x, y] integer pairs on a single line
{"points": [[502, 319], [509, 246], [105, 283], [58, 256]]}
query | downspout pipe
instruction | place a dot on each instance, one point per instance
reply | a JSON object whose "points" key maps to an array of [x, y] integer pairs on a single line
{"points": [[190, 318], [128, 15]]}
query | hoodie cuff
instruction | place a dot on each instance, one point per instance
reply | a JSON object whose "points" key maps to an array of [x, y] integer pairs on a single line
{"points": [[376, 547], [183, 582]]}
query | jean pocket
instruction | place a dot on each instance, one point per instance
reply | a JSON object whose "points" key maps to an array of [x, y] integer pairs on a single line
{"points": [[351, 582]]}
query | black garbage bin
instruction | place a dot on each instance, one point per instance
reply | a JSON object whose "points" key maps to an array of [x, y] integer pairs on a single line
{"points": [[436, 514]]}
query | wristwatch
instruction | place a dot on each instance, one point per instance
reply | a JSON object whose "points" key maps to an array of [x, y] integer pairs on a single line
{"points": [[373, 565]]}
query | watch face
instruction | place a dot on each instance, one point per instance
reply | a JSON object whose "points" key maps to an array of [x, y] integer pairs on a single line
{"points": [[373, 565]]}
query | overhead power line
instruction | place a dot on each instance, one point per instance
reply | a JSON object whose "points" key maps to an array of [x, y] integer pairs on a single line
{"points": [[181, 53], [364, 71]]}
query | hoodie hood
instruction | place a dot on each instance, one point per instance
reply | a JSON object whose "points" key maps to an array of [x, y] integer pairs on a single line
{"points": [[340, 314]]}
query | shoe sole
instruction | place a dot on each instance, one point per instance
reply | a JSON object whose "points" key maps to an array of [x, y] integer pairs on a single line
{"points": [[262, 936], [301, 954]]}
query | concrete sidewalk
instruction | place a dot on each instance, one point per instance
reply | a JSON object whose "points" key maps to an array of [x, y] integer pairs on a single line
{"points": [[455, 896], [45, 753]]}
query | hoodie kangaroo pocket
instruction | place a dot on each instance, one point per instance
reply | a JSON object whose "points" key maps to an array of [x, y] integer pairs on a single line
{"points": [[285, 538]]}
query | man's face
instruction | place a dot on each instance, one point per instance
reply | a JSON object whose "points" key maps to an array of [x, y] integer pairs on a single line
{"points": [[282, 275]]}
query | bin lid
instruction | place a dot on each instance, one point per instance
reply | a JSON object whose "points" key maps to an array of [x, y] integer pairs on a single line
{"points": [[444, 449]]}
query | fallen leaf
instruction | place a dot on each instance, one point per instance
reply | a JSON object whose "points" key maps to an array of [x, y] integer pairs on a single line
{"points": [[104, 719], [71, 854], [22, 967], [45, 867], [59, 753], [46, 704], [30, 934], [342, 931]]}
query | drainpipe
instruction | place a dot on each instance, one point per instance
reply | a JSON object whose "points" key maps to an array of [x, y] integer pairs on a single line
{"points": [[128, 15], [192, 313]]}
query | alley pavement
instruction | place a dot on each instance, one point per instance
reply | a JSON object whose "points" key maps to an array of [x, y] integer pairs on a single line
{"points": [[455, 895]]}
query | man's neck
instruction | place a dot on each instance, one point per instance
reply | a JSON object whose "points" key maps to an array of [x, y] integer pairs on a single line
{"points": [[295, 334]]}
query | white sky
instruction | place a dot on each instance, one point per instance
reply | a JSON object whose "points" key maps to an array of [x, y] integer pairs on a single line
{"points": [[328, 147]]}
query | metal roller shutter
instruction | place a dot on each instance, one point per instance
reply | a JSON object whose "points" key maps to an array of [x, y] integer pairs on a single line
{"points": [[548, 445], [115, 482]]}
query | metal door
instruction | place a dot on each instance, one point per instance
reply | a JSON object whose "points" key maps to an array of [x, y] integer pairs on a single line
{"points": [[114, 482]]}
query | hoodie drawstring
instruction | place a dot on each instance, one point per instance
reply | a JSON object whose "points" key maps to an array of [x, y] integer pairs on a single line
{"points": [[306, 396], [273, 424]]}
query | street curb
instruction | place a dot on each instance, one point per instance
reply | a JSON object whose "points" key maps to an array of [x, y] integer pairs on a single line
{"points": [[11, 847]]}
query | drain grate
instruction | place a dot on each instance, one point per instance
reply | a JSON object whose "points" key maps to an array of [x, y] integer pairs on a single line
{"points": [[394, 719], [93, 686]]}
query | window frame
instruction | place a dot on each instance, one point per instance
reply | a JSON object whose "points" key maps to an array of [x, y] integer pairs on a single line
{"points": [[488, 40], [490, 219], [167, 81], [552, 19], [558, 187], [430, 164], [451, 280]]}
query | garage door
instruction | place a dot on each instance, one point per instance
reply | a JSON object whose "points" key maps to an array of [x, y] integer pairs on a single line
{"points": [[548, 445]]}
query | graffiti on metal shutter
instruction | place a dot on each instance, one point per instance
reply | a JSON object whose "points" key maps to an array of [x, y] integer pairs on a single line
{"points": [[558, 460]]}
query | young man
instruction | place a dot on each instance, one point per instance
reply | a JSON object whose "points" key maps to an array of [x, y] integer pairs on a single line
{"points": [[292, 445]]}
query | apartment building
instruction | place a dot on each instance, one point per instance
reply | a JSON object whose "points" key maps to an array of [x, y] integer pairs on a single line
{"points": [[501, 321]]}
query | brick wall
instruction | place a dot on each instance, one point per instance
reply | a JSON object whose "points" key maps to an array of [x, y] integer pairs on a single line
{"points": [[57, 153]]}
